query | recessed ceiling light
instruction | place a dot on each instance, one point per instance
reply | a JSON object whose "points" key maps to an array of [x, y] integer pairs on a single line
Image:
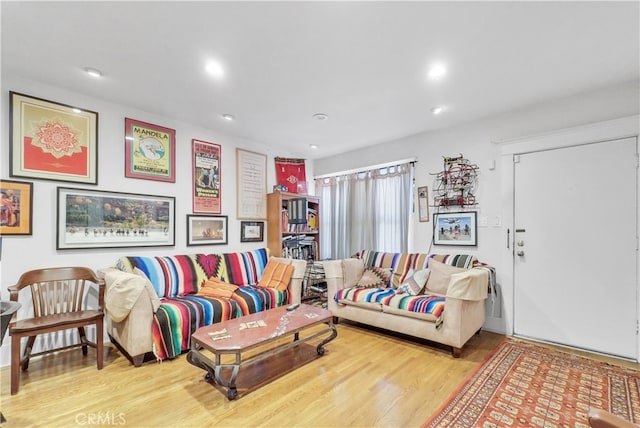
{"points": [[215, 69], [437, 110], [93, 72], [437, 71], [313, 146], [320, 116], [228, 117]]}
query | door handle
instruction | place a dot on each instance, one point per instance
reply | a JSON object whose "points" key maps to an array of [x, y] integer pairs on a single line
{"points": [[520, 253]]}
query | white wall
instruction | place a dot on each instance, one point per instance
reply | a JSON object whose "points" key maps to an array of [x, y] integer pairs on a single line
{"points": [[477, 142], [22, 253]]}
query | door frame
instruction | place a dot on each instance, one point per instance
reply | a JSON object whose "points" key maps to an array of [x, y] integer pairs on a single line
{"points": [[615, 129]]}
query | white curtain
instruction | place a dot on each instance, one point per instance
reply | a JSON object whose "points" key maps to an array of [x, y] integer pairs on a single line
{"points": [[365, 210]]}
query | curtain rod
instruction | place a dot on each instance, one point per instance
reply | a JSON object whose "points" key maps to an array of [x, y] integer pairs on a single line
{"points": [[367, 168]]}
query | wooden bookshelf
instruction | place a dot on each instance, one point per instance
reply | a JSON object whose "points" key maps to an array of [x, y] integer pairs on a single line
{"points": [[280, 231]]}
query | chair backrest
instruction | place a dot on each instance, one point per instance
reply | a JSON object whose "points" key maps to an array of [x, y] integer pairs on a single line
{"points": [[56, 290]]}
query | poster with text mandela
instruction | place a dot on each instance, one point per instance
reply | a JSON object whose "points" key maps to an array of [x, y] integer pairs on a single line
{"points": [[150, 151], [206, 177]]}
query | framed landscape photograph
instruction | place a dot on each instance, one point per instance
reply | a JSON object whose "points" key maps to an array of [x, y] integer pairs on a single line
{"points": [[52, 141], [207, 173], [206, 229], [455, 229], [16, 207], [251, 231], [150, 151], [102, 219]]}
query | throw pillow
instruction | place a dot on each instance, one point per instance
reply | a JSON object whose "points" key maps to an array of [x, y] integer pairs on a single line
{"points": [[352, 270], [374, 277], [213, 287], [440, 275], [276, 275], [415, 282]]}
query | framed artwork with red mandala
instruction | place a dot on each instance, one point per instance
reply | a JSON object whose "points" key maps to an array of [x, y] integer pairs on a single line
{"points": [[52, 141]]}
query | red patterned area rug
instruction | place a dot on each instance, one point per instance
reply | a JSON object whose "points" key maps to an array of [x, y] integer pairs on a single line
{"points": [[526, 385]]}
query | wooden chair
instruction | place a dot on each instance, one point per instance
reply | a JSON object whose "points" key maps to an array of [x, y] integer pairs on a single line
{"points": [[599, 418], [59, 303]]}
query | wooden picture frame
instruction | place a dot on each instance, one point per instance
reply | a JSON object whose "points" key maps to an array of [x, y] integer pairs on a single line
{"points": [[52, 141], [251, 231], [251, 169], [16, 208], [460, 229], [206, 177], [103, 219], [423, 203], [150, 151], [207, 230]]}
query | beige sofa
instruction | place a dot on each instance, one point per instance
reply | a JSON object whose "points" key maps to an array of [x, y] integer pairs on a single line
{"points": [[459, 305], [151, 316]]}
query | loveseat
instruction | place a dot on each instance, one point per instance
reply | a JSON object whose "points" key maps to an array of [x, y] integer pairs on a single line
{"points": [[154, 304], [440, 298]]}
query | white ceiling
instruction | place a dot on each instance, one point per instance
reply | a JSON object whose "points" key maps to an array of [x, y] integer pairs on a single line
{"points": [[361, 63]]}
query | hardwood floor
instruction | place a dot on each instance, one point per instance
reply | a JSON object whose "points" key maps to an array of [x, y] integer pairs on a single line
{"points": [[365, 379]]}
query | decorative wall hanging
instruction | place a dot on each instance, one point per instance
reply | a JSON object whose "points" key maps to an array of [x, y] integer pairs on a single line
{"points": [[150, 151], [52, 141], [16, 207], [291, 174], [423, 203], [101, 219], [455, 229], [456, 184], [251, 168], [206, 229], [207, 173]]}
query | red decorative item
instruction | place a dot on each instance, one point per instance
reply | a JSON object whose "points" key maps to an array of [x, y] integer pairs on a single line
{"points": [[291, 174]]}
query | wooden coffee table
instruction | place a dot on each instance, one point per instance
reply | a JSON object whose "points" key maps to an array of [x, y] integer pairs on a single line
{"points": [[237, 336]]}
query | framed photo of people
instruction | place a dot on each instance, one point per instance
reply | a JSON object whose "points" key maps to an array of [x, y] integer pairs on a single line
{"points": [[103, 219], [16, 207], [52, 141], [207, 173], [455, 229], [150, 151]]}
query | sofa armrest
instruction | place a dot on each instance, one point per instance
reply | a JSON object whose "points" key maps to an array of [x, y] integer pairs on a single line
{"points": [[468, 285], [295, 284]]}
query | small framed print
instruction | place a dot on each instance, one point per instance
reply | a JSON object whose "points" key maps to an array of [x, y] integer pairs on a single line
{"points": [[207, 229], [423, 203], [455, 229], [16, 207], [251, 231], [52, 141], [150, 151]]}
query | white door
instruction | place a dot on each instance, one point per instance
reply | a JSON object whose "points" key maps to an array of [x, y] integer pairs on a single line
{"points": [[576, 236]]}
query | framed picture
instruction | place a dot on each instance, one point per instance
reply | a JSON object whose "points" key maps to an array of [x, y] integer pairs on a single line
{"points": [[455, 229], [150, 151], [252, 185], [207, 175], [102, 219], [52, 141], [423, 203], [16, 207], [251, 231], [206, 229]]}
